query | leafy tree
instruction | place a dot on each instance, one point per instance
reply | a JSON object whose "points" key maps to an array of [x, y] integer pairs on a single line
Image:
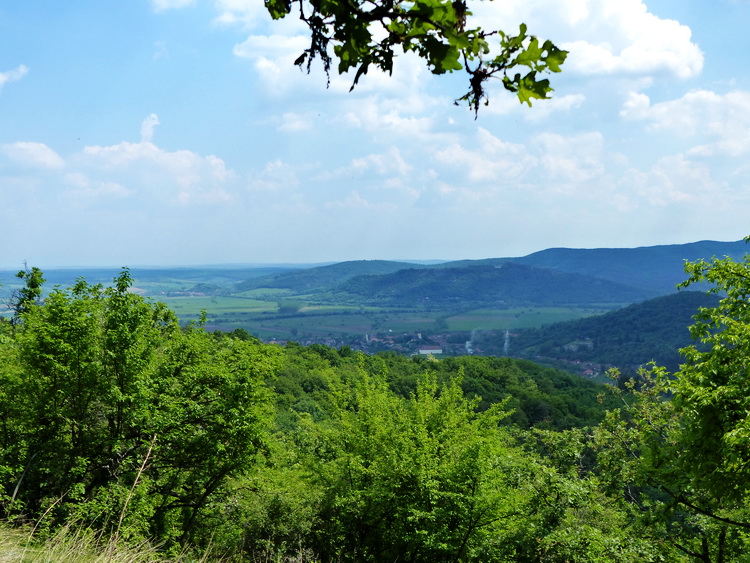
{"points": [[123, 409], [30, 294], [680, 445], [406, 479], [365, 33]]}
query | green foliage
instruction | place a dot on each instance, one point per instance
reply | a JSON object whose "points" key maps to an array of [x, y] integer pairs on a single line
{"points": [[369, 33], [29, 295], [679, 446], [420, 478], [654, 330], [111, 406], [713, 387], [509, 284], [538, 396], [114, 418]]}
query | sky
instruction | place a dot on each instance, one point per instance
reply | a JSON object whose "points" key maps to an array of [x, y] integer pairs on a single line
{"points": [[179, 132]]}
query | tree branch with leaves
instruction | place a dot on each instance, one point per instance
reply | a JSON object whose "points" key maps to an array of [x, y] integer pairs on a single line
{"points": [[361, 34]]}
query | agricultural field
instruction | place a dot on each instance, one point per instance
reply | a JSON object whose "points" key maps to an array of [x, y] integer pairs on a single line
{"points": [[265, 319], [270, 312], [517, 318]]}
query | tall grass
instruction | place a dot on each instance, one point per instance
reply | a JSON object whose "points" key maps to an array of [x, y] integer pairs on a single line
{"points": [[72, 546]]}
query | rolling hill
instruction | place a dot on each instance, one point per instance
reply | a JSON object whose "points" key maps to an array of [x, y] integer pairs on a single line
{"points": [[627, 338], [654, 268], [324, 278], [632, 274], [509, 284]]}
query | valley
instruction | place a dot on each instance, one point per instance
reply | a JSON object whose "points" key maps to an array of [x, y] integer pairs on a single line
{"points": [[570, 308]]}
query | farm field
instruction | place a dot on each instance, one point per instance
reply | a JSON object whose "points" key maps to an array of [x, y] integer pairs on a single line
{"points": [[265, 320], [517, 318]]}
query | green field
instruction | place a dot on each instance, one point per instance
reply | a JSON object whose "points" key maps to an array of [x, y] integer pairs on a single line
{"points": [[264, 319], [280, 313], [188, 308], [524, 317]]}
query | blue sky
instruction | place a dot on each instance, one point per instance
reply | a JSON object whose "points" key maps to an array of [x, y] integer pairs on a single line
{"points": [[178, 132]]}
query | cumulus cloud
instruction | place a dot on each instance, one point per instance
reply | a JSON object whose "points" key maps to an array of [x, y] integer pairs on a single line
{"points": [[501, 103], [388, 121], [13, 75], [492, 160], [239, 12], [721, 119], [604, 37], [182, 176], [33, 155], [273, 57], [572, 161]]}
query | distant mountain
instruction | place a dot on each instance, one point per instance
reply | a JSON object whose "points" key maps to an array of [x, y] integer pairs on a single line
{"points": [[649, 271], [654, 268], [508, 284], [324, 278], [652, 330]]}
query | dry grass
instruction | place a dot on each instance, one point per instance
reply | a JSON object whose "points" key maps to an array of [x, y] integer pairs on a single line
{"points": [[69, 546]]}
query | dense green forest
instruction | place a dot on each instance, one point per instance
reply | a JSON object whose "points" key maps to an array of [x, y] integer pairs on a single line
{"points": [[507, 284], [116, 418], [654, 330]]}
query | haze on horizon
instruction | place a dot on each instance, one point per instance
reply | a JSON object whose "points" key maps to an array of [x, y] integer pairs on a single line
{"points": [[178, 132]]}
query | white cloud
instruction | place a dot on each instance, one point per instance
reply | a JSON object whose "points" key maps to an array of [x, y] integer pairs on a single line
{"points": [[147, 128], [673, 180], [493, 160], [86, 189], [562, 104], [636, 106], [572, 161], [13, 75], [34, 155], [163, 5], [604, 37], [273, 57], [721, 119], [182, 176], [503, 103], [239, 12], [292, 122], [275, 176], [389, 120], [390, 163], [271, 47]]}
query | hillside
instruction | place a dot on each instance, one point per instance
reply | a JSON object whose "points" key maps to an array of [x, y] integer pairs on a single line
{"points": [[652, 330], [654, 268], [508, 284], [648, 271], [323, 278]]}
